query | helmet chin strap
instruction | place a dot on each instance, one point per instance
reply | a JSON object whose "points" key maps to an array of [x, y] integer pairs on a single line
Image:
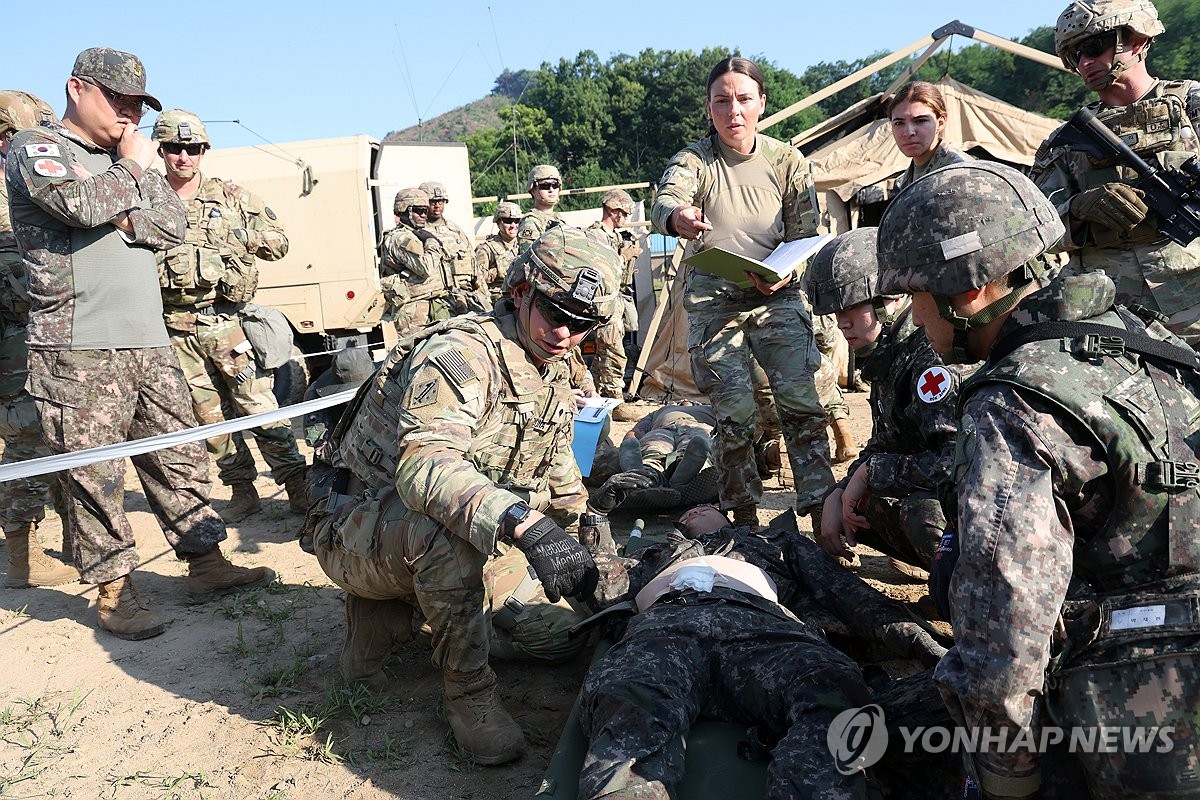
{"points": [[523, 325], [1118, 66], [1017, 281]]}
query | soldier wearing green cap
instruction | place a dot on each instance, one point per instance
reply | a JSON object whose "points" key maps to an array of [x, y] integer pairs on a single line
{"points": [[545, 184], [496, 252], [206, 282], [459, 447]]}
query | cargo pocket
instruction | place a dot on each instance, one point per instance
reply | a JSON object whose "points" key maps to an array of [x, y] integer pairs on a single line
{"points": [[358, 531]]}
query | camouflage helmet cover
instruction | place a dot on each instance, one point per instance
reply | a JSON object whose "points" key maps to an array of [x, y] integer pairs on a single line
{"points": [[618, 199], [178, 125], [116, 71], [407, 198], [435, 190], [544, 172], [506, 209], [571, 269], [843, 273], [20, 110], [961, 227], [1086, 18]]}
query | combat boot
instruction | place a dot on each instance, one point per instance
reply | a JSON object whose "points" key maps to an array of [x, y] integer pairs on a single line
{"points": [[373, 628], [746, 516], [296, 487], [30, 565], [211, 575], [768, 458], [846, 449], [695, 456], [124, 614], [242, 504], [482, 727], [626, 413]]}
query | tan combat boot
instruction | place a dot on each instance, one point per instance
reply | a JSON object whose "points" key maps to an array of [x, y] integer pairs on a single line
{"points": [[296, 487], [373, 628], [483, 729], [211, 575], [28, 563], [124, 614], [626, 413], [242, 504], [847, 450]]}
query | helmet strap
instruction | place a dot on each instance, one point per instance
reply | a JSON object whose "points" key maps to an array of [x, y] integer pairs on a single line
{"points": [[525, 323], [1018, 280]]}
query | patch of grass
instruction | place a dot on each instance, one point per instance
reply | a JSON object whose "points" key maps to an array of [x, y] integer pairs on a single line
{"points": [[18, 613], [38, 727], [175, 787], [390, 753], [297, 734], [354, 700], [239, 649]]}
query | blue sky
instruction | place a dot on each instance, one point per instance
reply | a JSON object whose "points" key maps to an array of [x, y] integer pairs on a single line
{"points": [[307, 70]]}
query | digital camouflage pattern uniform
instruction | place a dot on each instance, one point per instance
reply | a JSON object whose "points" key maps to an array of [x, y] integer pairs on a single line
{"points": [[106, 389], [722, 654], [943, 155], [727, 324], [1147, 267], [205, 281]]}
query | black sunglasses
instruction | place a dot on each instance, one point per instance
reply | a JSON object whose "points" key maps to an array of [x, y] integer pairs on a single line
{"points": [[510, 220], [175, 148], [1094, 46], [544, 185], [418, 209], [559, 317]]}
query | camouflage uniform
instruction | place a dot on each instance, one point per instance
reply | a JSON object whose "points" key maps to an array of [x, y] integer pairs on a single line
{"points": [[533, 225], [608, 365], [727, 325], [418, 278], [469, 284], [121, 385], [943, 155], [825, 333], [1147, 267], [205, 281], [722, 654], [492, 257]]}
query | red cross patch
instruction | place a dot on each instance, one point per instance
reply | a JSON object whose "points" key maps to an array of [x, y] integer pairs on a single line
{"points": [[49, 167], [934, 384]]}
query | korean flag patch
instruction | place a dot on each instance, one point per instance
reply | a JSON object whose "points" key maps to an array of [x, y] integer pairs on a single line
{"points": [[42, 149], [934, 384]]}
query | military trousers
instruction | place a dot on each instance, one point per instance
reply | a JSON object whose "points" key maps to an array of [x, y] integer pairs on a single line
{"points": [[23, 500], [778, 334], [87, 398], [608, 364], [907, 528], [705, 656], [212, 366]]}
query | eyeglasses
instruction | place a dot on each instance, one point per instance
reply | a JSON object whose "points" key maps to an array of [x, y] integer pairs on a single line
{"points": [[1094, 46], [546, 186], [509, 220], [133, 105], [437, 200], [418, 209], [175, 148], [559, 317]]}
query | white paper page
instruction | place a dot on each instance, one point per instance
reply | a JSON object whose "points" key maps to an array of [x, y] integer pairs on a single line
{"points": [[596, 409], [790, 255]]}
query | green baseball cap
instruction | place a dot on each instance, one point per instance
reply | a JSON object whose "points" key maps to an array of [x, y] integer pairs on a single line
{"points": [[116, 71]]}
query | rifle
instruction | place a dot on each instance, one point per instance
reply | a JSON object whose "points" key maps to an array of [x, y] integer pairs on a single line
{"points": [[1170, 193]]}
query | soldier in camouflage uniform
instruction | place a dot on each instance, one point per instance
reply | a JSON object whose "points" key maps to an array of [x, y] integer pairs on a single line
{"points": [[710, 194], [889, 497], [205, 283], [23, 500], [544, 184], [470, 285], [88, 214], [417, 280], [1108, 228], [463, 439], [918, 115], [837, 412], [1076, 467], [496, 252]]}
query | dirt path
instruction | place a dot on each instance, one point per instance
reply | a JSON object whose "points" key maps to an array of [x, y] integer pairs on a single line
{"points": [[240, 698]]}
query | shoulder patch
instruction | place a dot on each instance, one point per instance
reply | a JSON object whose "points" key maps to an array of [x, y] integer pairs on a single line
{"points": [[456, 367], [422, 394], [49, 167], [42, 149], [933, 384]]}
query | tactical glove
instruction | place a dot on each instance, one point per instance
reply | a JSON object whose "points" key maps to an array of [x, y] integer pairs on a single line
{"points": [[562, 564], [425, 236], [944, 559], [618, 486], [1113, 205], [595, 533]]}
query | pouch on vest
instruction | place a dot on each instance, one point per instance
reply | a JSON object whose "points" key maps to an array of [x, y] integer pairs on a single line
{"points": [[269, 333], [356, 533]]}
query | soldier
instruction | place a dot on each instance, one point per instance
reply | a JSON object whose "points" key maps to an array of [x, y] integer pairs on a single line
{"points": [[704, 191], [206, 281], [463, 440], [496, 252], [544, 184], [918, 116], [23, 500], [889, 497], [88, 214], [1075, 471], [470, 286], [608, 365], [1106, 42], [416, 279]]}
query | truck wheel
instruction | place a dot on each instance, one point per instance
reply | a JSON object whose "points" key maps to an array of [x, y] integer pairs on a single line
{"points": [[291, 379]]}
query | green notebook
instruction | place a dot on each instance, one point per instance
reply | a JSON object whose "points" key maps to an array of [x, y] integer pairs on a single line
{"points": [[783, 261]]}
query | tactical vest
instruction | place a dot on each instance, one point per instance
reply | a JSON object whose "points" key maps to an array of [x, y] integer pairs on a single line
{"points": [[529, 420], [1142, 413], [190, 273]]}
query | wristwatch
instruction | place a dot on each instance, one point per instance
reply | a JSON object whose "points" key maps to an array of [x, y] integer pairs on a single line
{"points": [[513, 517]]}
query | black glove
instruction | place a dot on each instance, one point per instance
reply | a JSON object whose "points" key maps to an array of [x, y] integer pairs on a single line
{"points": [[944, 559], [614, 490], [425, 235], [562, 564]]}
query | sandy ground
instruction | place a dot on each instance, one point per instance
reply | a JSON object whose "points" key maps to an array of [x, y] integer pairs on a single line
{"points": [[240, 698]]}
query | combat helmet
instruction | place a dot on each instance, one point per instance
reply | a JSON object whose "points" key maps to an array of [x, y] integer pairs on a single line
{"points": [[407, 198], [177, 125], [961, 227], [435, 190], [20, 110], [544, 172], [617, 199], [1084, 19], [845, 273], [573, 271], [508, 209]]}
